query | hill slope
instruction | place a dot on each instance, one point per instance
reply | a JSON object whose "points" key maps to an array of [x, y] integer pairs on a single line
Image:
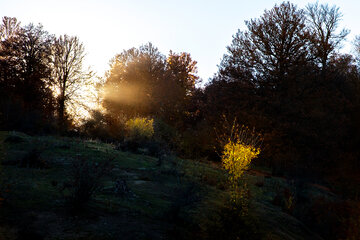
{"points": [[141, 198]]}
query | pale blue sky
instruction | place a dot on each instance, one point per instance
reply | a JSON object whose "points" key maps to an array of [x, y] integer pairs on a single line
{"points": [[201, 27]]}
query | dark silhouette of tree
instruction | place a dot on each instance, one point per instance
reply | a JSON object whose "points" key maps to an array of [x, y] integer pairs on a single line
{"points": [[323, 22], [283, 77], [184, 70], [25, 74], [34, 60], [68, 73], [9, 29], [178, 88], [357, 50], [272, 47], [267, 64]]}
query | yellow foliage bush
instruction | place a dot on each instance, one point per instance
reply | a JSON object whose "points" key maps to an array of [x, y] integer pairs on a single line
{"points": [[140, 128], [237, 158], [240, 147]]}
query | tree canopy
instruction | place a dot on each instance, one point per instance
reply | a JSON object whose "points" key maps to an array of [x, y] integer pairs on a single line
{"points": [[143, 82]]}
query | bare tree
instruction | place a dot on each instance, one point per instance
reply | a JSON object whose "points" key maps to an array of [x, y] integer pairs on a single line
{"points": [[70, 78], [323, 22]]}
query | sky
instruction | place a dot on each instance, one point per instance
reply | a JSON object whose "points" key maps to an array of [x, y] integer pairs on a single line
{"points": [[202, 28]]}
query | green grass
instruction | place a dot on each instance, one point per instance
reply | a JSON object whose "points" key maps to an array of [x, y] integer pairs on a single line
{"points": [[152, 193], [146, 212]]}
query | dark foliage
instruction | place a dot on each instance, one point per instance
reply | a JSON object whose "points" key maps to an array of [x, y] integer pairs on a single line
{"points": [[14, 139], [331, 218], [302, 98], [26, 99], [143, 82], [103, 127], [129, 146], [85, 179], [121, 188], [282, 76], [186, 196], [229, 224], [33, 159]]}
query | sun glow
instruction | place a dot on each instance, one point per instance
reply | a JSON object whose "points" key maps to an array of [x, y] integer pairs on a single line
{"points": [[84, 100]]}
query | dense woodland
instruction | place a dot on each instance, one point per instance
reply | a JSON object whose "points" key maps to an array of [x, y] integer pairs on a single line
{"points": [[283, 77]]}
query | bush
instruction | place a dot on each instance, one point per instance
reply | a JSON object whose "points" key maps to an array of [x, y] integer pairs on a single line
{"points": [[237, 158], [139, 137], [33, 160], [196, 142], [131, 146], [240, 148], [165, 133], [139, 129], [229, 223], [6, 182], [85, 181], [334, 218], [15, 116], [2, 156], [14, 139], [104, 127], [286, 199], [2, 152], [121, 188]]}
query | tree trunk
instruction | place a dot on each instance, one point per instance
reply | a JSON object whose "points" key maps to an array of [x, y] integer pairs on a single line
{"points": [[61, 113]]}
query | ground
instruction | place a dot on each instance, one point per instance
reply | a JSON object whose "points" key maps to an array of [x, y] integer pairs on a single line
{"points": [[176, 199]]}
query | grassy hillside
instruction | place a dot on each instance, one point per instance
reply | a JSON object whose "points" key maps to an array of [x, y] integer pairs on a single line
{"points": [[141, 197]]}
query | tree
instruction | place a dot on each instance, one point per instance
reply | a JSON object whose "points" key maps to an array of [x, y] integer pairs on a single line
{"points": [[272, 78], [68, 73], [130, 84], [27, 56], [9, 27], [143, 82], [266, 68], [184, 70], [35, 54], [323, 22], [178, 88], [357, 50], [25, 75], [269, 51]]}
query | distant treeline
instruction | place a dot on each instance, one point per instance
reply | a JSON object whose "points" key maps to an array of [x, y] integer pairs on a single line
{"points": [[284, 76]]}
